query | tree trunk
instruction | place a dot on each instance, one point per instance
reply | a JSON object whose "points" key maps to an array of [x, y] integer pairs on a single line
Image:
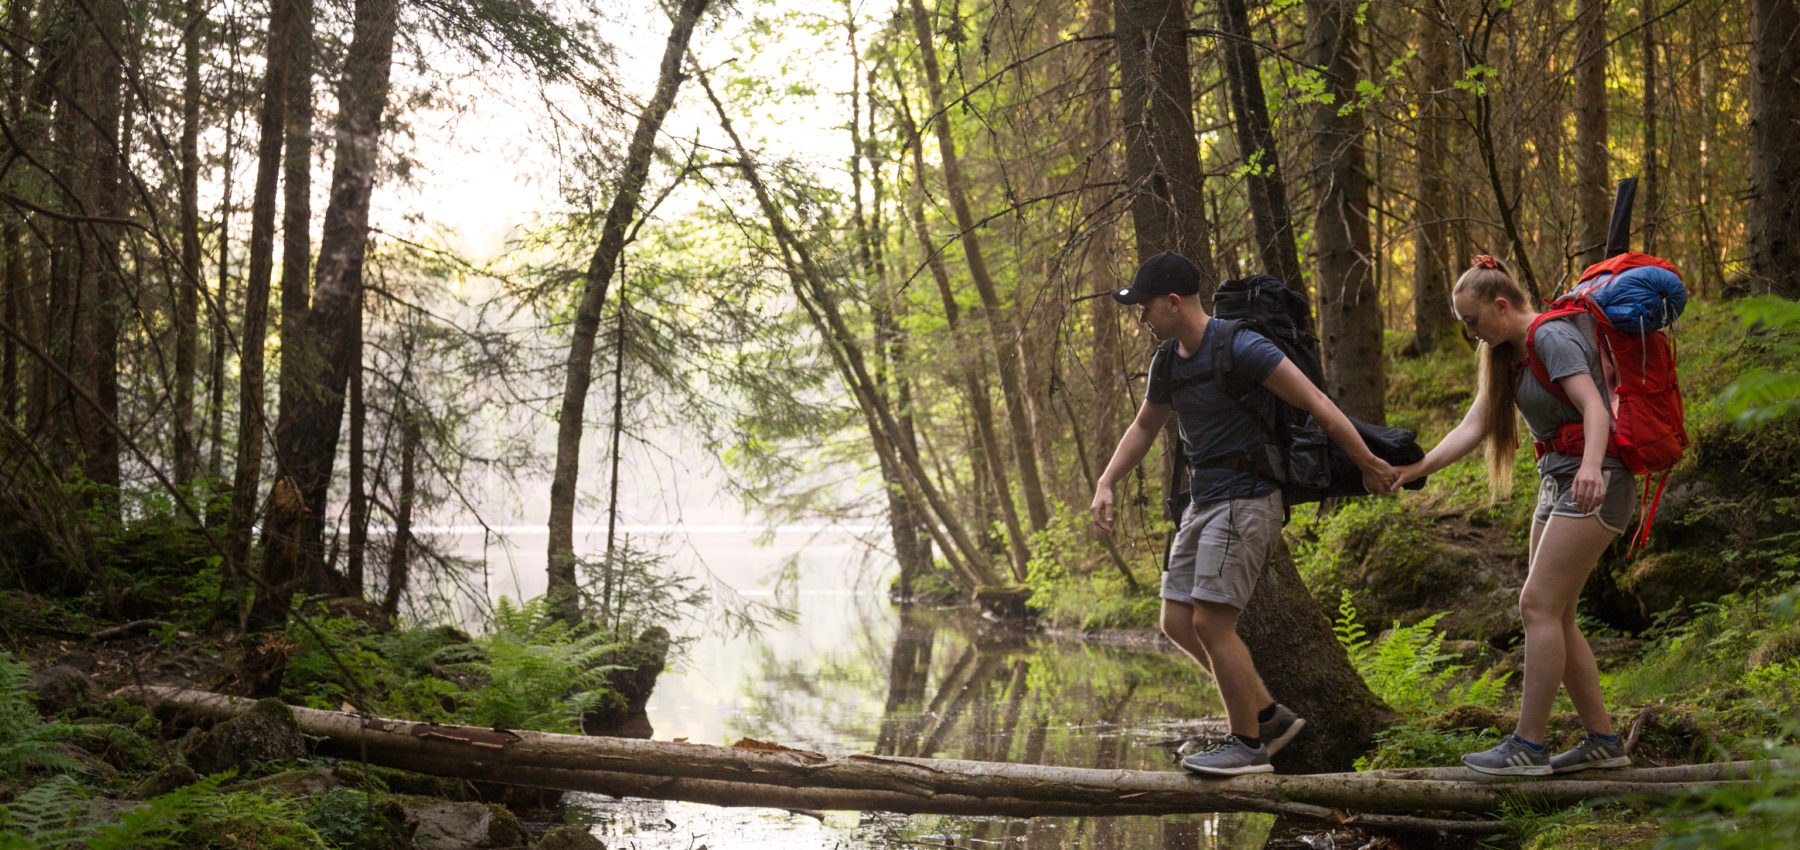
{"points": [[356, 549], [790, 778], [564, 596], [1256, 142], [398, 554], [1349, 309], [187, 301], [1774, 225], [1650, 205], [1002, 334], [1593, 192], [256, 287], [1291, 639], [1162, 156], [307, 438], [1433, 319]]}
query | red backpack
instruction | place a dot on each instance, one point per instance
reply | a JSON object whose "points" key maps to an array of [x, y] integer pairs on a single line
{"points": [[1647, 429]]}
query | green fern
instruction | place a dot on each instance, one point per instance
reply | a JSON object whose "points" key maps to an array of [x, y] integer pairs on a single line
{"points": [[28, 743], [1408, 668], [539, 674]]}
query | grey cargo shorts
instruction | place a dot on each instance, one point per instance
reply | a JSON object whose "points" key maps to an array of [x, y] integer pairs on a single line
{"points": [[1220, 550]]}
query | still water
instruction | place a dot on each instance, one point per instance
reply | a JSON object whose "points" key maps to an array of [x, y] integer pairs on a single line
{"points": [[854, 674]]}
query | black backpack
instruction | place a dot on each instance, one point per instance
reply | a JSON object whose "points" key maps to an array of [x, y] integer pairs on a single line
{"points": [[1298, 454]]}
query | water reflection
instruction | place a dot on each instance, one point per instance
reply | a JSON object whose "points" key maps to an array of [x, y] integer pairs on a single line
{"points": [[929, 684]]}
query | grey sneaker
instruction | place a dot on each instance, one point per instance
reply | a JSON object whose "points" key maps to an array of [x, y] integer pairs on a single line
{"points": [[1591, 752], [1280, 729], [1229, 758], [1511, 757]]}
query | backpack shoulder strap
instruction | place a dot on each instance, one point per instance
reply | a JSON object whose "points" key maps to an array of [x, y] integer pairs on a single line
{"points": [[1535, 363]]}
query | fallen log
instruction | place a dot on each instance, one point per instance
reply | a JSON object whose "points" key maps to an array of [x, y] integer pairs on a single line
{"points": [[1712, 772], [789, 778]]}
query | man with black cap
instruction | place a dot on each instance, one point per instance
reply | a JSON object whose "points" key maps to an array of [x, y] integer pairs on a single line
{"points": [[1234, 518]]}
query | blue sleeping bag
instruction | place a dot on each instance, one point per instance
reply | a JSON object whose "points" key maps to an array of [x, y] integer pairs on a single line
{"points": [[1641, 300]]}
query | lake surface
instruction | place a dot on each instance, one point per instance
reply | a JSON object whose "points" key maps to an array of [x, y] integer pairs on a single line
{"points": [[854, 674]]}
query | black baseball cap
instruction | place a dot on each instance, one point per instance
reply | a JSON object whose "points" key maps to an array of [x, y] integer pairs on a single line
{"points": [[1167, 273]]}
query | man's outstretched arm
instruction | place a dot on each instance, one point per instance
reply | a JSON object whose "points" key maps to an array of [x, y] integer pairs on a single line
{"points": [[1132, 447], [1293, 387]]}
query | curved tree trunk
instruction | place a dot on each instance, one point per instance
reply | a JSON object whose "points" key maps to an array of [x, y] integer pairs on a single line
{"points": [[1002, 334], [1775, 146], [1291, 639], [1349, 309], [561, 589]]}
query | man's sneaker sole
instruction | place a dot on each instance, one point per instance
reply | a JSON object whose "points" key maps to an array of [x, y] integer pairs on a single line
{"points": [[1512, 770], [1276, 744], [1229, 771], [1616, 761]]}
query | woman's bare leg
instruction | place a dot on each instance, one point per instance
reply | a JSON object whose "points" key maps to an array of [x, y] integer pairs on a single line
{"points": [[1564, 553]]}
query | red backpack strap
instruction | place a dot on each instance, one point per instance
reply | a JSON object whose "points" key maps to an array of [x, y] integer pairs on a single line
{"points": [[1535, 363]]}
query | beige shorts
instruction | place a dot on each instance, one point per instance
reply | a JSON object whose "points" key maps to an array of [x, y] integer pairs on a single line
{"points": [[1220, 550]]}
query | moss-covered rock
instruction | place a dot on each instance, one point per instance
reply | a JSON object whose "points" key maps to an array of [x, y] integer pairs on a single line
{"points": [[1465, 717], [635, 667], [310, 781], [569, 838], [60, 689], [409, 783], [443, 825], [163, 781], [1779, 646], [347, 817], [265, 733]]}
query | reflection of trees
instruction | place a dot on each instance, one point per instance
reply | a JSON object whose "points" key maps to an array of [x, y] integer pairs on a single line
{"points": [[908, 669]]}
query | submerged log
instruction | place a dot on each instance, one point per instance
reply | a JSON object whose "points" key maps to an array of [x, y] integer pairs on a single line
{"points": [[796, 779]]}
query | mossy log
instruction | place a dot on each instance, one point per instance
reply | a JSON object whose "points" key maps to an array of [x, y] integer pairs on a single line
{"points": [[787, 778]]}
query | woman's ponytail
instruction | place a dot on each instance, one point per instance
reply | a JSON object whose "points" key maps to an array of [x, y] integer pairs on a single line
{"points": [[1489, 280]]}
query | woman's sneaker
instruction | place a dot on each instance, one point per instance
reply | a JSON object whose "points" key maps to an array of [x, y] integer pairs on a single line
{"points": [[1229, 758], [1280, 729], [1511, 757], [1591, 752]]}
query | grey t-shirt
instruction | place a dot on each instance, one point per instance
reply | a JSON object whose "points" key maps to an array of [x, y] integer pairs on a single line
{"points": [[1566, 347]]}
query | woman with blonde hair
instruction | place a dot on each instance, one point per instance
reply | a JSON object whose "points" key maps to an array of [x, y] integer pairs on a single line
{"points": [[1584, 502]]}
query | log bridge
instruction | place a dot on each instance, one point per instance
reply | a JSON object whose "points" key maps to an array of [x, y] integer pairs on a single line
{"points": [[1453, 799]]}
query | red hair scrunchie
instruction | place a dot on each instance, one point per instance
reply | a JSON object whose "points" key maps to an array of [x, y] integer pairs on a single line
{"points": [[1486, 261]]}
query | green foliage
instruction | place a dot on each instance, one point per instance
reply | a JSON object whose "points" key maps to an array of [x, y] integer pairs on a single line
{"points": [[538, 674], [1407, 668], [51, 814], [1764, 394], [632, 588], [1415, 745], [1318, 538], [27, 743], [1761, 814], [392, 671], [1075, 584]]}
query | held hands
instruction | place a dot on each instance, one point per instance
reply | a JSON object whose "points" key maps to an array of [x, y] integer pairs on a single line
{"points": [[1378, 477], [1407, 473], [1589, 488], [1102, 508]]}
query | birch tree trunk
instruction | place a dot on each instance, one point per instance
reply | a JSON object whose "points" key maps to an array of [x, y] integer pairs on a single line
{"points": [[561, 589]]}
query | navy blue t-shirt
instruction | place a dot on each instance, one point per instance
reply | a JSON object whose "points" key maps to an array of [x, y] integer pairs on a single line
{"points": [[1213, 422]]}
